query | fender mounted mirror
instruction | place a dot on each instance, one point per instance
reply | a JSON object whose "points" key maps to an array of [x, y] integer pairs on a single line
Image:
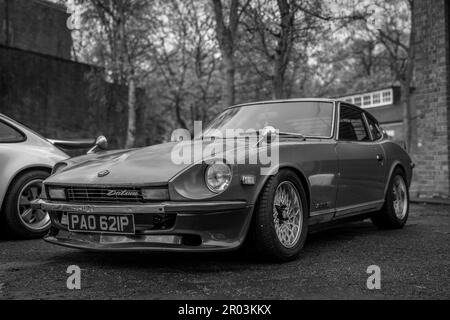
{"points": [[268, 134], [101, 143]]}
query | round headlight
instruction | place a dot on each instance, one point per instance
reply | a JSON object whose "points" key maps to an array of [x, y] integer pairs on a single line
{"points": [[218, 177]]}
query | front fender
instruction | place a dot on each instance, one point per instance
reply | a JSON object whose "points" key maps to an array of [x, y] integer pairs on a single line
{"points": [[286, 165]]}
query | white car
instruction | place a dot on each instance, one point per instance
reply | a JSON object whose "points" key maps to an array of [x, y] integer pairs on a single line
{"points": [[26, 159]]}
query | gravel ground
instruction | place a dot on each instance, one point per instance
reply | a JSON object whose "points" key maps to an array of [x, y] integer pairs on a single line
{"points": [[414, 262]]}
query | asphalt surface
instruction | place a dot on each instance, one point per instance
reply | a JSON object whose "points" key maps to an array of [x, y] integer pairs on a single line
{"points": [[414, 263]]}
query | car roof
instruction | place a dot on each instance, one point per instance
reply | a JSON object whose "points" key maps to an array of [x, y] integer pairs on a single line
{"points": [[16, 123], [21, 127], [283, 101], [303, 100], [2, 116], [296, 100]]}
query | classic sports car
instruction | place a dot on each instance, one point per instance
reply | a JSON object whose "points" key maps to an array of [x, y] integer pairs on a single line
{"points": [[26, 159], [330, 161]]}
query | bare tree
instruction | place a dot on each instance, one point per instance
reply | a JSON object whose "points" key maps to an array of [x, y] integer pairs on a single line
{"points": [[227, 33], [184, 52], [119, 28], [393, 30], [401, 52], [281, 35]]}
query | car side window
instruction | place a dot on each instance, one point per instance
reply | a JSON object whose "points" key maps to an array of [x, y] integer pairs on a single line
{"points": [[374, 129], [352, 126], [9, 134]]}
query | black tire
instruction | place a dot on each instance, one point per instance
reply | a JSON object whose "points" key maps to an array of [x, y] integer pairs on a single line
{"points": [[386, 218], [262, 237], [10, 215]]}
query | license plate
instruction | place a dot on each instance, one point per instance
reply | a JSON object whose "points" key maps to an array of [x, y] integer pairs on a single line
{"points": [[101, 223]]}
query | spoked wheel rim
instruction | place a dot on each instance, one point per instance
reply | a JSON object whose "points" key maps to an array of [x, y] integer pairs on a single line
{"points": [[400, 202], [287, 214], [33, 219]]}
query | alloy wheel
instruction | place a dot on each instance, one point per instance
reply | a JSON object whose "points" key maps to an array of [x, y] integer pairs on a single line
{"points": [[287, 214], [33, 219], [400, 202]]}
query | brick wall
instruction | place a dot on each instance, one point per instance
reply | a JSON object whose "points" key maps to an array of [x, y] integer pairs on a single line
{"points": [[35, 25], [432, 99]]}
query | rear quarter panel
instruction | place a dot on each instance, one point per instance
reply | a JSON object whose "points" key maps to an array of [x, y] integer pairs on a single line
{"points": [[395, 155], [16, 157]]}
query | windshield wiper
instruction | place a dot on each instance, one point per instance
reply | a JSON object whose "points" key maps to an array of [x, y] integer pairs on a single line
{"points": [[281, 134], [292, 135]]}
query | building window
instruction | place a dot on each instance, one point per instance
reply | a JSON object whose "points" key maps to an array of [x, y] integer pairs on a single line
{"points": [[372, 99], [376, 99], [387, 96]]}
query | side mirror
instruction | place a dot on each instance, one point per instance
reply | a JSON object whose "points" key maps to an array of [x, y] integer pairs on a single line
{"points": [[268, 134], [101, 143], [179, 135]]}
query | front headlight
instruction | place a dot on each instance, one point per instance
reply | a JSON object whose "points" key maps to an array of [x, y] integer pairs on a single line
{"points": [[155, 194], [56, 193], [218, 177]]}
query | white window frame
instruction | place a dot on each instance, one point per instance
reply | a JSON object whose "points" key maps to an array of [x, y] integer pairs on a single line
{"points": [[390, 101]]}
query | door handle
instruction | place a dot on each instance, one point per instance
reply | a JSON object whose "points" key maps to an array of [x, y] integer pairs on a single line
{"points": [[380, 157]]}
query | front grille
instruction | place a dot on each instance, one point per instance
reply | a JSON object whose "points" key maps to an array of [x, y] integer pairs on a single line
{"points": [[94, 194]]}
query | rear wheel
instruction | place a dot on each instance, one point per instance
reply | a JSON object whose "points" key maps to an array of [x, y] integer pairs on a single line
{"points": [[395, 211], [280, 222], [19, 219]]}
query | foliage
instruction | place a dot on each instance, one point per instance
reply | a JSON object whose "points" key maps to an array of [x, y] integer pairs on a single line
{"points": [[191, 58]]}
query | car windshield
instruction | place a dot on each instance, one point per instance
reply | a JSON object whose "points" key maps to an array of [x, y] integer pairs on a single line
{"points": [[310, 119]]}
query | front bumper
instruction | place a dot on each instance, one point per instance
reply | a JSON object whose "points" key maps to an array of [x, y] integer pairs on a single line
{"points": [[195, 226]]}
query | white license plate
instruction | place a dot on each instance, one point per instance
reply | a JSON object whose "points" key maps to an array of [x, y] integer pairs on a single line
{"points": [[101, 223]]}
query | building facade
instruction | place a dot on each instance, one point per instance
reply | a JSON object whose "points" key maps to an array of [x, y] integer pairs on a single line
{"points": [[431, 102]]}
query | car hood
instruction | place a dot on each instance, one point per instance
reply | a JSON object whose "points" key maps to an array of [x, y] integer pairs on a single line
{"points": [[152, 165]]}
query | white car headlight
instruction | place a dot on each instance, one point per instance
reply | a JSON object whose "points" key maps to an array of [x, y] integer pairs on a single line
{"points": [[218, 177], [56, 193], [155, 194]]}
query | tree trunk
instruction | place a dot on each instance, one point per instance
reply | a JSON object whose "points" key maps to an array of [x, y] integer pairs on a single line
{"points": [[406, 105], [277, 81], [228, 86], [131, 131], [226, 37], [407, 83], [283, 49]]}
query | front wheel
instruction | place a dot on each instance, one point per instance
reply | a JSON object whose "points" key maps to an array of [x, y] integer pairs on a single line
{"points": [[20, 220], [395, 211], [280, 222]]}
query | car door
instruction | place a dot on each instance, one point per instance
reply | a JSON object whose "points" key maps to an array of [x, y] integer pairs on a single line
{"points": [[361, 164]]}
